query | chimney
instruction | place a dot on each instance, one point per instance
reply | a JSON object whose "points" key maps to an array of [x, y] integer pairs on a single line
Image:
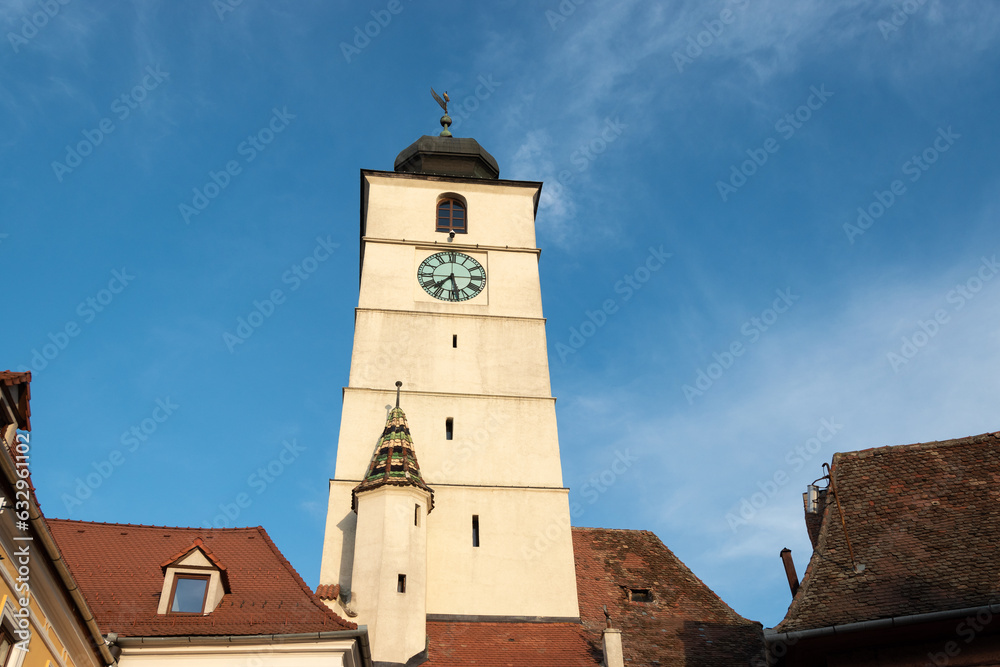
{"points": [[793, 579], [612, 642], [613, 655]]}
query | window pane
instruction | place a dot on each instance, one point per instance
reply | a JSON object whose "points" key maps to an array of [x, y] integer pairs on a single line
{"points": [[189, 595], [5, 646], [451, 216]]}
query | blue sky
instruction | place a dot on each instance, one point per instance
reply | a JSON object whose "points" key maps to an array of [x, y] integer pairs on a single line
{"points": [[168, 164]]}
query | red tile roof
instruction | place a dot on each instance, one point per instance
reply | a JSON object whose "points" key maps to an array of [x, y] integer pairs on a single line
{"points": [[454, 644], [8, 378], [328, 591], [923, 519], [685, 623], [118, 568]]}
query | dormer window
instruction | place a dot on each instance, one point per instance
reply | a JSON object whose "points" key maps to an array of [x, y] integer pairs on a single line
{"points": [[451, 215], [194, 582], [190, 591], [640, 595]]}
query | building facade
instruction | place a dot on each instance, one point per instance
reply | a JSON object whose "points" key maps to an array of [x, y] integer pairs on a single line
{"points": [[44, 620], [450, 305], [904, 569], [222, 597], [433, 526]]}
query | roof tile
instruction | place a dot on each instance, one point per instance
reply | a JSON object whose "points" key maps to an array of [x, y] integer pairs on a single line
{"points": [[921, 519], [118, 568]]}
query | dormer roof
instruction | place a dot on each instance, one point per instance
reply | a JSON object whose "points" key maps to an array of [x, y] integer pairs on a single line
{"points": [[179, 559], [394, 461], [120, 571]]}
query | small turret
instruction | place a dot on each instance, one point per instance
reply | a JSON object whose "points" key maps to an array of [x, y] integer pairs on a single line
{"points": [[389, 578]]}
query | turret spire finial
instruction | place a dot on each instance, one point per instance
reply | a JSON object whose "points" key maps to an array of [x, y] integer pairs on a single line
{"points": [[398, 385], [445, 119]]}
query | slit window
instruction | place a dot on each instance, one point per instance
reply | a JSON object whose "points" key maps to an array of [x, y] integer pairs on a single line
{"points": [[454, 340], [189, 594], [451, 216], [401, 583], [449, 428], [416, 515], [475, 530]]}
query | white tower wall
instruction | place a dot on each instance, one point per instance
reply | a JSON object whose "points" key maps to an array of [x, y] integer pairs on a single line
{"points": [[502, 462], [392, 545]]}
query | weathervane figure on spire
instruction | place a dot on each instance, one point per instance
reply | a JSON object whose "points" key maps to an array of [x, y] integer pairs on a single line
{"points": [[445, 119]]}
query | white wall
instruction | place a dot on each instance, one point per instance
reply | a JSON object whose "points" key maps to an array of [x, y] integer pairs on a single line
{"points": [[328, 653], [503, 461]]}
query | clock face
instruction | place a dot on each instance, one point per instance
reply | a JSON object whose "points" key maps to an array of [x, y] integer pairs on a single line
{"points": [[451, 276]]}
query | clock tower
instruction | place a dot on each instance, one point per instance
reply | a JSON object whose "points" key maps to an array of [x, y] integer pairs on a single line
{"points": [[450, 305]]}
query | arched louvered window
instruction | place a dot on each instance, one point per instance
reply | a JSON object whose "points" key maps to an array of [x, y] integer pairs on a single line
{"points": [[451, 216]]}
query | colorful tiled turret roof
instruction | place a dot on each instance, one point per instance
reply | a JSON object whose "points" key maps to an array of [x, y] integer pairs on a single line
{"points": [[394, 461]]}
